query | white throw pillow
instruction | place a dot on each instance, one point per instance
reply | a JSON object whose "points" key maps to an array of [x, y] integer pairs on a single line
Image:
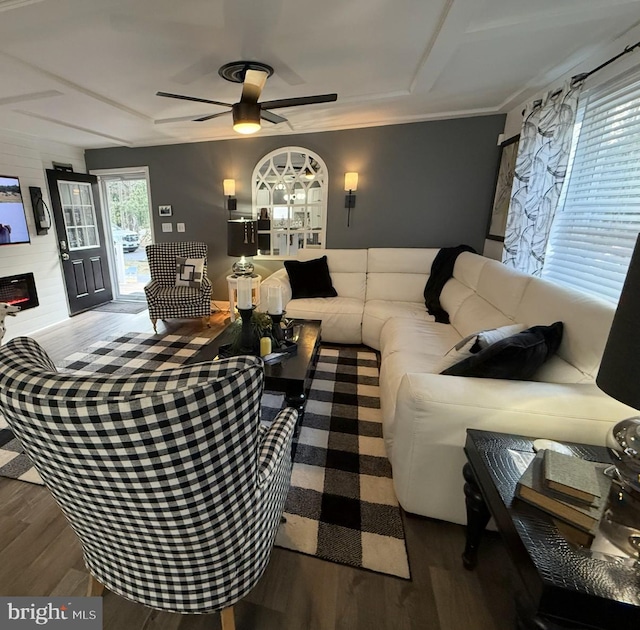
{"points": [[460, 351], [475, 342], [487, 338], [189, 272]]}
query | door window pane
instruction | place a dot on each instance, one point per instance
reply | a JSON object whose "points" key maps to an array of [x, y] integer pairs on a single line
{"points": [[79, 215]]}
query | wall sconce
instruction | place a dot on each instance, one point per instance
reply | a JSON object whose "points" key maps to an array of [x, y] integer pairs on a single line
{"points": [[350, 186], [229, 187]]}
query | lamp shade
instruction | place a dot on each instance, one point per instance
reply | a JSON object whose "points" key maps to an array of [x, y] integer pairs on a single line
{"points": [[242, 238], [619, 374], [229, 187], [351, 181]]}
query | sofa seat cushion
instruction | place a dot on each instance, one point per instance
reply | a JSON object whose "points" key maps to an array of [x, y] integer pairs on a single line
{"points": [[557, 370], [403, 335], [392, 370], [341, 317], [378, 312]]}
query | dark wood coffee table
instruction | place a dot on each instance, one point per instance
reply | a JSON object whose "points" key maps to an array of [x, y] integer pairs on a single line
{"points": [[564, 586], [292, 375]]}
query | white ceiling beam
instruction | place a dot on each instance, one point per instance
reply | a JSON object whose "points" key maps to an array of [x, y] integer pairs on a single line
{"points": [[7, 5], [75, 87], [31, 96], [444, 43], [93, 132], [557, 18]]}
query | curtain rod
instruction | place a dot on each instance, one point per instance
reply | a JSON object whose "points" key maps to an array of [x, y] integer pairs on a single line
{"points": [[586, 75]]}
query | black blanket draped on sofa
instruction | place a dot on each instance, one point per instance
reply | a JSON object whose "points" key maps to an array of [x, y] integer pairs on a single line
{"points": [[441, 271]]}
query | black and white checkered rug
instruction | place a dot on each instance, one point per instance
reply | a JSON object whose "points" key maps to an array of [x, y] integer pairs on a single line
{"points": [[341, 506], [134, 351]]}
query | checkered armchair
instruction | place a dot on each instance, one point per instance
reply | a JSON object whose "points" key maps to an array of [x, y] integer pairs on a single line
{"points": [[173, 486], [165, 299]]}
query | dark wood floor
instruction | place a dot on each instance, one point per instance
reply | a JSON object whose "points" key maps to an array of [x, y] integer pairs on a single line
{"points": [[40, 555]]}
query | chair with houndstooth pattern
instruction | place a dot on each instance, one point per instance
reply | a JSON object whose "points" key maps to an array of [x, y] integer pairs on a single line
{"points": [[179, 286], [173, 486]]}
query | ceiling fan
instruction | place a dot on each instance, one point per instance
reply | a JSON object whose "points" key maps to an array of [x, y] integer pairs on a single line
{"points": [[248, 111]]}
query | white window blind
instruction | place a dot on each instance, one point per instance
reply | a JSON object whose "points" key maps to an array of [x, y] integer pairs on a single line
{"points": [[598, 218]]}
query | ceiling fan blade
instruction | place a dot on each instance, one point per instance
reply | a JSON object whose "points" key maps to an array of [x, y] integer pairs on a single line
{"points": [[164, 121], [302, 100], [182, 97], [253, 85], [210, 117], [271, 117], [192, 118]]}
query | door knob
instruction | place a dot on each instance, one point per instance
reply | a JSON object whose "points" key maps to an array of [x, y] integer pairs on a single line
{"points": [[65, 256]]}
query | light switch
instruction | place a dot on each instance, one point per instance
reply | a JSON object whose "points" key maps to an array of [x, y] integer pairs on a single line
{"points": [[167, 227], [180, 227]]}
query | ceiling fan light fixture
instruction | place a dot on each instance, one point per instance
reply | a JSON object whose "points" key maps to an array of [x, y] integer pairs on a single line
{"points": [[246, 117], [246, 128]]}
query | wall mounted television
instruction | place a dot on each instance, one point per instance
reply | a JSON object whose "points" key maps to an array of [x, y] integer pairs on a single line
{"points": [[13, 220]]}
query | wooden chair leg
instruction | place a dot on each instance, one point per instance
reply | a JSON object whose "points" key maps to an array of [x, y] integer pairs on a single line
{"points": [[94, 588], [154, 322], [227, 618]]}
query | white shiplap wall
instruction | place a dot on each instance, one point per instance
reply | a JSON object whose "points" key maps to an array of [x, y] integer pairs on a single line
{"points": [[27, 158]]}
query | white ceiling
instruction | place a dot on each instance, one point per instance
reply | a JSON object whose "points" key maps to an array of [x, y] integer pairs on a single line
{"points": [[85, 72]]}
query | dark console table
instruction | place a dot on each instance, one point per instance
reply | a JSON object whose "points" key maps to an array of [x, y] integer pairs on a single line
{"points": [[564, 586]]}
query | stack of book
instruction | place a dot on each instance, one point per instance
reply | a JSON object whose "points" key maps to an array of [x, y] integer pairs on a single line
{"points": [[572, 490]]}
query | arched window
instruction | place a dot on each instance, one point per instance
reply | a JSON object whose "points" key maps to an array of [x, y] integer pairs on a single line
{"points": [[290, 201]]}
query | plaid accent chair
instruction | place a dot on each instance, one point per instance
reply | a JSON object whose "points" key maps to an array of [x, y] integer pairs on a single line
{"points": [[165, 299], [174, 488]]}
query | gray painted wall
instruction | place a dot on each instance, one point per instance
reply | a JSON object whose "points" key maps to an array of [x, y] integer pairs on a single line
{"points": [[426, 184]]}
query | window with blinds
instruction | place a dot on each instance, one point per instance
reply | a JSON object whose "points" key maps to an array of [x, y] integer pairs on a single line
{"points": [[598, 217]]}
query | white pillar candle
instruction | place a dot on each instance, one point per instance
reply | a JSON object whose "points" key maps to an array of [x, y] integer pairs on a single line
{"points": [[244, 293], [274, 299]]}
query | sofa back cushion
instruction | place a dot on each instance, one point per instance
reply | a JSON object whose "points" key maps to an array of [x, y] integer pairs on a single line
{"points": [[502, 286], [482, 293], [485, 293], [587, 321], [468, 311], [347, 267], [398, 274]]}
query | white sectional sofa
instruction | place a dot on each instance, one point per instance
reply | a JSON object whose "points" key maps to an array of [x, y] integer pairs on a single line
{"points": [[425, 414]]}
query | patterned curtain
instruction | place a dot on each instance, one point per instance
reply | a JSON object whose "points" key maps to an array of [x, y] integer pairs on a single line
{"points": [[541, 166]]}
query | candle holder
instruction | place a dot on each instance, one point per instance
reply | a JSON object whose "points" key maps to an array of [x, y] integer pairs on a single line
{"points": [[276, 329], [247, 337]]}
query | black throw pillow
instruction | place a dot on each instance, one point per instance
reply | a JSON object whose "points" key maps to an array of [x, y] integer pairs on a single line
{"points": [[516, 357], [310, 279]]}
